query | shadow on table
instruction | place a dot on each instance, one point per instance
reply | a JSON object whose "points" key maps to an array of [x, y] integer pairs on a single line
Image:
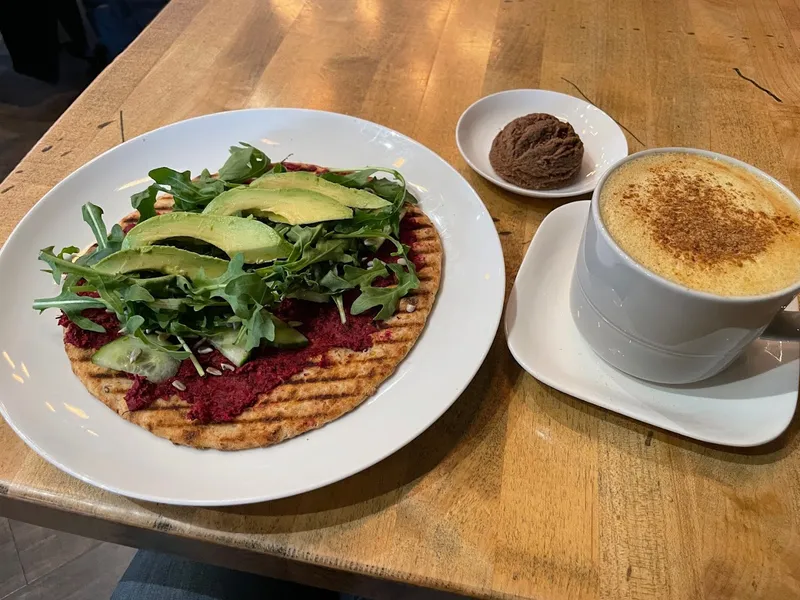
{"points": [[453, 437]]}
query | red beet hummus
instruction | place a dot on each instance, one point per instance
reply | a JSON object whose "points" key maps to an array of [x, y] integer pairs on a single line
{"points": [[222, 398]]}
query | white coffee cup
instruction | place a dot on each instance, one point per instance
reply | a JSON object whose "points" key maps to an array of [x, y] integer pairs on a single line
{"points": [[658, 330]]}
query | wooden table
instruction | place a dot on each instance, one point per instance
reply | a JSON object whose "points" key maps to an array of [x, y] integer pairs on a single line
{"points": [[518, 491]]}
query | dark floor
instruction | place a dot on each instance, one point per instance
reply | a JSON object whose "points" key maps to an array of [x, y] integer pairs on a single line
{"points": [[28, 107], [37, 563], [40, 564]]}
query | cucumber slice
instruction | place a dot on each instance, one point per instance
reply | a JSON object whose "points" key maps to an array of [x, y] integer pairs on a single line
{"points": [[225, 342], [131, 355], [285, 337], [288, 337]]}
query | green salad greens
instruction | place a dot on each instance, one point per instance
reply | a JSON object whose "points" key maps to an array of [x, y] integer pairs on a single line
{"points": [[210, 276]]}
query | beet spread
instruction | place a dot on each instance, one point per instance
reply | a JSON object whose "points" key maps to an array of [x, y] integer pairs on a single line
{"points": [[223, 398], [90, 339]]}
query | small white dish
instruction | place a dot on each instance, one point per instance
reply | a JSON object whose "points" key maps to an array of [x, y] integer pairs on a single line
{"points": [[603, 140], [750, 403]]}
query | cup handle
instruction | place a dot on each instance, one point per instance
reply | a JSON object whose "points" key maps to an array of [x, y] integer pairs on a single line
{"points": [[785, 326]]}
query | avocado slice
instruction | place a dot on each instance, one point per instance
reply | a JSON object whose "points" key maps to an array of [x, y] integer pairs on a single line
{"points": [[164, 259], [303, 180], [233, 235], [292, 206]]}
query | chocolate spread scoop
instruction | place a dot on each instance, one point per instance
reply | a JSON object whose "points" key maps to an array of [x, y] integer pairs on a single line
{"points": [[537, 152]]}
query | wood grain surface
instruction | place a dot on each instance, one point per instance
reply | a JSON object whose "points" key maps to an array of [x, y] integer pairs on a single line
{"points": [[518, 491]]}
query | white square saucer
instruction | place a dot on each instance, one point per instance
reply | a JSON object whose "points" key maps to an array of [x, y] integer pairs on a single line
{"points": [[750, 403]]}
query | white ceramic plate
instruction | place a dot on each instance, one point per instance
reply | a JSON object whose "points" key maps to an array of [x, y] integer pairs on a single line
{"points": [[50, 409], [750, 403], [603, 140]]}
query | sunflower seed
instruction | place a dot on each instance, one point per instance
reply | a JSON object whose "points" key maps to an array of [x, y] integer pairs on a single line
{"points": [[227, 367], [213, 371], [178, 386], [135, 353], [205, 350]]}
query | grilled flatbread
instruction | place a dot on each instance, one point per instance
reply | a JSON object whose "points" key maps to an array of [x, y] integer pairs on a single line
{"points": [[308, 400]]}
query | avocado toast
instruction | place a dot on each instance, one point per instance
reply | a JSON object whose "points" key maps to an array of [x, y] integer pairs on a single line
{"points": [[296, 335]]}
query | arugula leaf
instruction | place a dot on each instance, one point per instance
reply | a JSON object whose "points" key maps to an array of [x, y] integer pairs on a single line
{"points": [[309, 249], [301, 237], [248, 284], [387, 298], [241, 292], [112, 298], [162, 305], [324, 250], [334, 283], [188, 195], [160, 286], [362, 278], [132, 325], [84, 323], [114, 245], [203, 284], [244, 291], [68, 250], [116, 236], [59, 266], [385, 222], [71, 305], [93, 215], [55, 269], [308, 295], [145, 203], [304, 235], [243, 164], [259, 326], [353, 277], [349, 178], [207, 185], [68, 302], [137, 293], [106, 243], [393, 191]]}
